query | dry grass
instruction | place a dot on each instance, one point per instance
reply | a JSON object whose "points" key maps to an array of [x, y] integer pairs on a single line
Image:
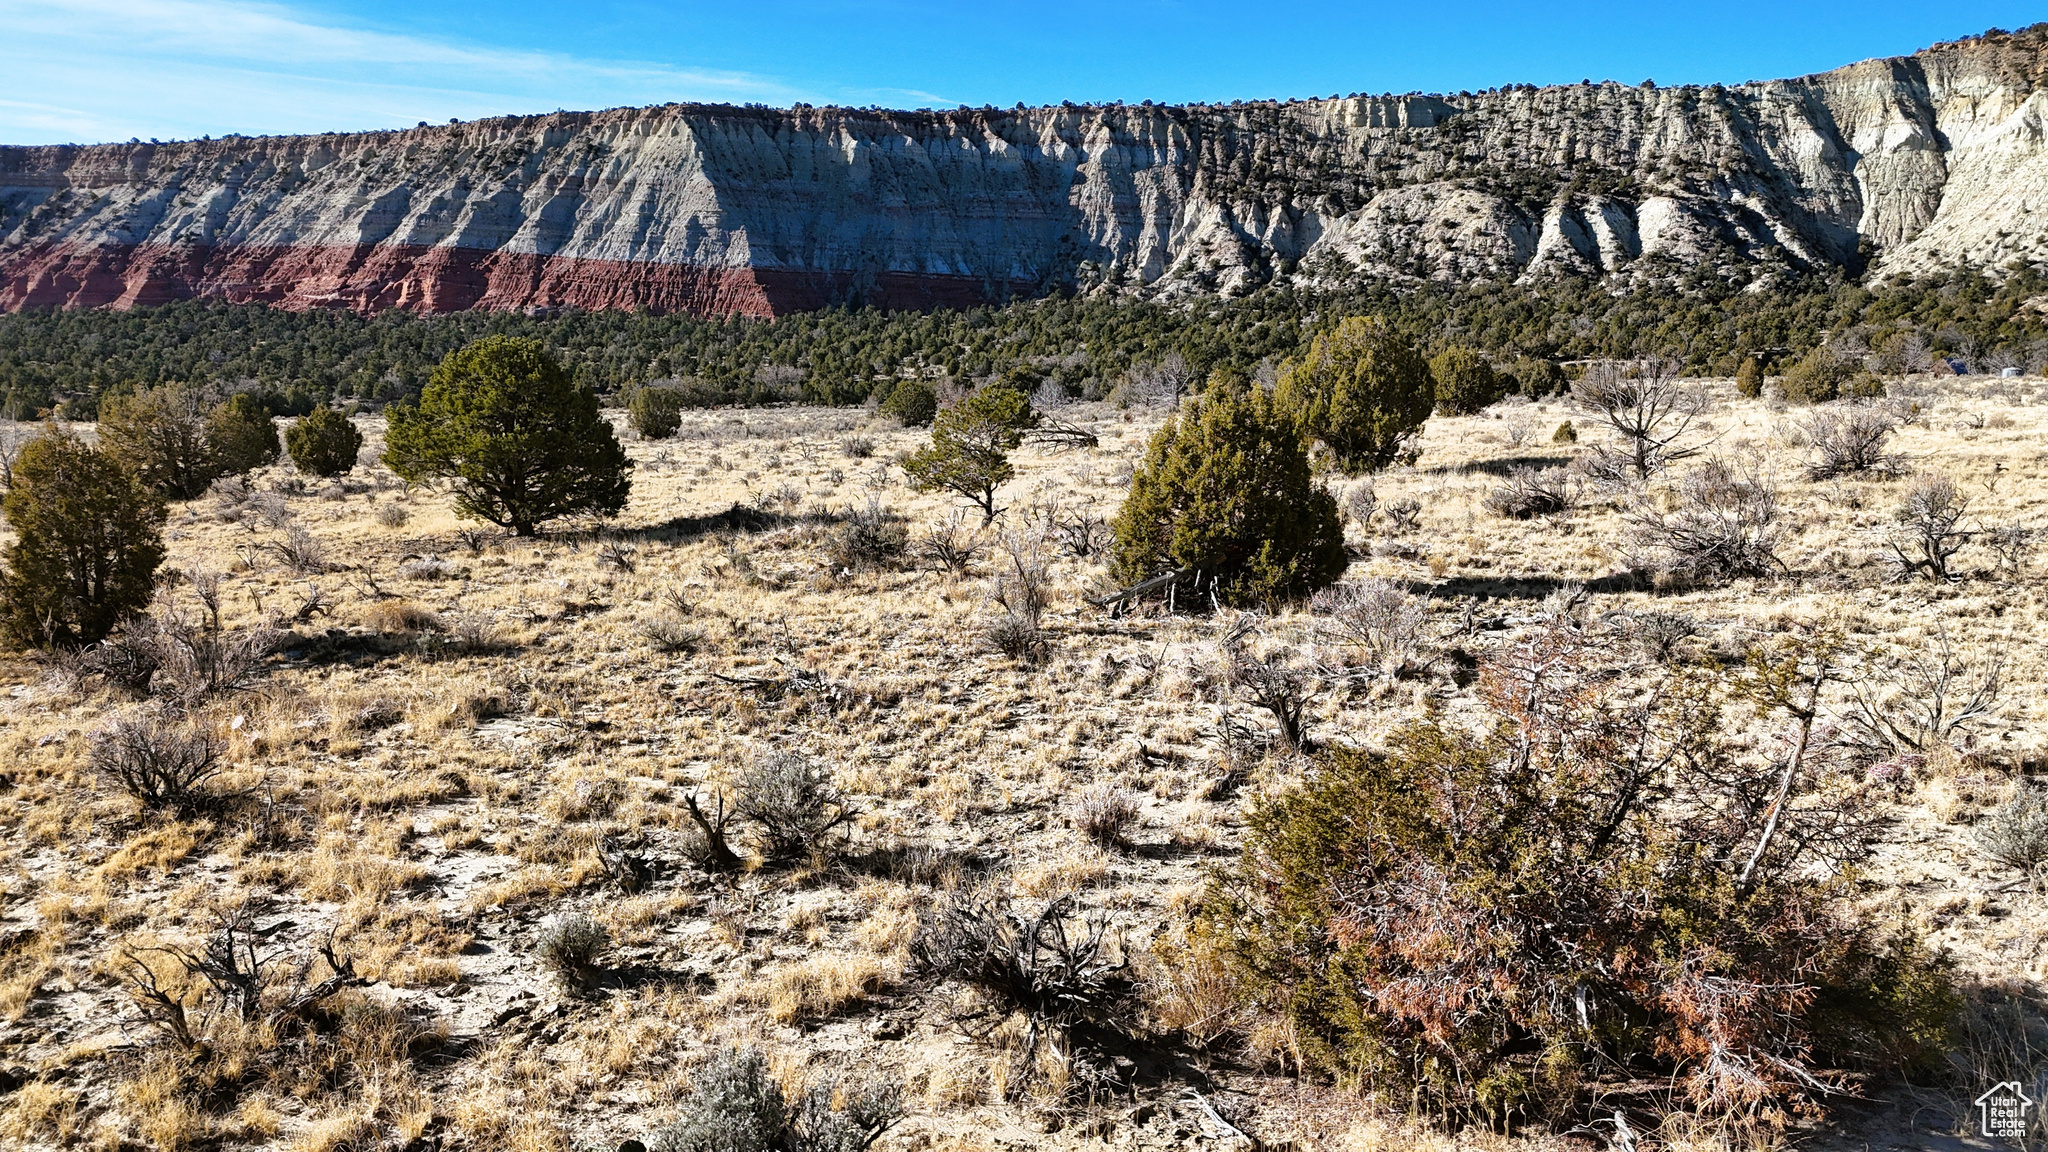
{"points": [[432, 801], [823, 986]]}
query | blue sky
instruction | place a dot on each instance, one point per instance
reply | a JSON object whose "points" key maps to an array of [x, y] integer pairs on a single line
{"points": [[86, 70]]}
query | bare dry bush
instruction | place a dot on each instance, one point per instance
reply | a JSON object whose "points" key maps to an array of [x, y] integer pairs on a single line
{"points": [[1386, 623], [1014, 637], [1648, 408], [2015, 833], [1850, 440], [159, 760], [735, 1104], [300, 550], [573, 947], [1934, 696], [402, 616], [710, 845], [1531, 492], [951, 546], [471, 632], [1360, 502], [872, 537], [236, 983], [1080, 531], [14, 436], [127, 659], [476, 539], [1515, 428], [205, 586], [427, 568], [1280, 680], [1105, 814], [794, 803], [1927, 530], [2000, 1034], [1722, 522], [2012, 545], [1061, 974], [185, 662], [198, 663], [671, 636], [1656, 634], [1020, 590], [1156, 385]]}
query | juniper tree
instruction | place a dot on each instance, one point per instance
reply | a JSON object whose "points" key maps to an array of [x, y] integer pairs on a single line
{"points": [[1362, 390], [241, 434], [88, 541], [1465, 382], [1225, 496], [522, 441], [160, 435], [914, 403], [324, 443], [656, 412], [970, 449]]}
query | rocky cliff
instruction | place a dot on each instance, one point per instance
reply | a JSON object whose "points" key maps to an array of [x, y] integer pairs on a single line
{"points": [[1889, 165]]}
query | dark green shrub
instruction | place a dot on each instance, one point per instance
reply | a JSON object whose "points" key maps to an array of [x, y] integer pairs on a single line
{"points": [[241, 434], [1478, 923], [970, 449], [1225, 496], [1535, 378], [1749, 378], [87, 543], [160, 436], [913, 402], [1362, 390], [656, 412], [523, 443], [324, 443], [1825, 375], [1465, 382]]}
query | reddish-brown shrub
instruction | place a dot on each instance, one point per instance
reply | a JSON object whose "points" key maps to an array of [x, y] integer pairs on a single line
{"points": [[1480, 924]]}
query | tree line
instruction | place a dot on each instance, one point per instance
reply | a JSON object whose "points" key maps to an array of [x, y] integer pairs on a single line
{"points": [[295, 361]]}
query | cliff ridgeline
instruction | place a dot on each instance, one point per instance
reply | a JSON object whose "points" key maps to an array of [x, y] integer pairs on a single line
{"points": [[1897, 165]]}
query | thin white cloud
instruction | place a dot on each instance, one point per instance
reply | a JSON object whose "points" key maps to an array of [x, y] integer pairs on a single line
{"points": [[111, 69], [908, 95]]}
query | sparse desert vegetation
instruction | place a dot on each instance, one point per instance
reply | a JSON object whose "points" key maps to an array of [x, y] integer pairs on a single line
{"points": [[1665, 784]]}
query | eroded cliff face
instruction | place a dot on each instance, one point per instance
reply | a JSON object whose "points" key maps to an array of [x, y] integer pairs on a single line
{"points": [[1895, 165]]}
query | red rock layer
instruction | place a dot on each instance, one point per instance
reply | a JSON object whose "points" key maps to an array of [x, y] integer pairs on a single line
{"points": [[370, 278]]}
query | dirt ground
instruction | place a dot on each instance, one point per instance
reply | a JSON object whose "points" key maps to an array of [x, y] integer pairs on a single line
{"points": [[464, 735]]}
